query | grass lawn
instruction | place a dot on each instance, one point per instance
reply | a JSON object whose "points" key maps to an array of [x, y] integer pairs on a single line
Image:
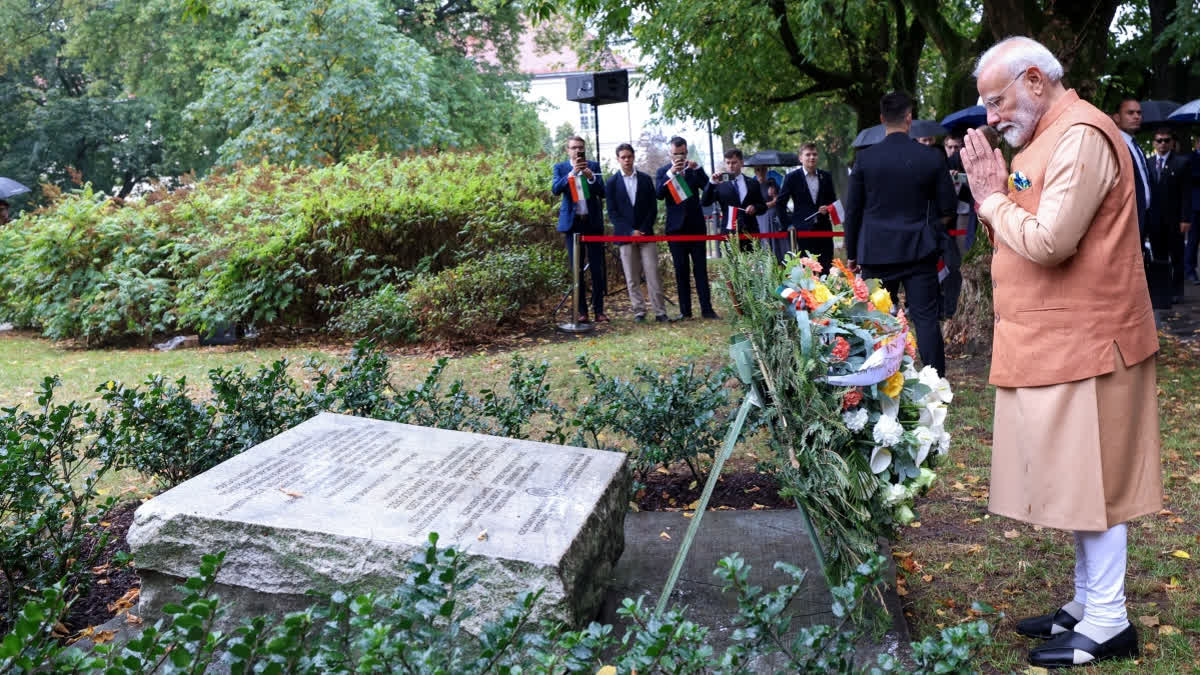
{"points": [[957, 554]]}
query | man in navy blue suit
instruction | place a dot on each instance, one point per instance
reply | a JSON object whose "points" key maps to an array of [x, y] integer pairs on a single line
{"points": [[811, 192], [901, 200], [732, 189], [684, 216], [632, 209], [580, 213]]}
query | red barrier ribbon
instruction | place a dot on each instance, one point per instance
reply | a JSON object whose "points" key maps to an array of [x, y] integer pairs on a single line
{"points": [[806, 234]]}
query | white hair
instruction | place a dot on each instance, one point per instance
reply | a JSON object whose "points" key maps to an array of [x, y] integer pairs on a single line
{"points": [[1018, 54]]}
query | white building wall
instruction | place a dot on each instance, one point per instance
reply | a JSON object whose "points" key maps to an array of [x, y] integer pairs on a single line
{"points": [[618, 122]]}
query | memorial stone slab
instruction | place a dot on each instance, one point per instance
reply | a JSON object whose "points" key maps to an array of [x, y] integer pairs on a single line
{"points": [[342, 502]]}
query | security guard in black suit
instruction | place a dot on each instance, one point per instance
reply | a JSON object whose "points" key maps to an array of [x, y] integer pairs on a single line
{"points": [[901, 200]]}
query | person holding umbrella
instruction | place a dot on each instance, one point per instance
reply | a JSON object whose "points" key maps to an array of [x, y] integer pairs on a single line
{"points": [[8, 188]]}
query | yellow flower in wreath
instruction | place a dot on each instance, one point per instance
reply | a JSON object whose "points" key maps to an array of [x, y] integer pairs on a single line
{"points": [[821, 293], [893, 385], [882, 300]]}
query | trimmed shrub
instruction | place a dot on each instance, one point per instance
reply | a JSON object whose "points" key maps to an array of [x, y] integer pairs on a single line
{"points": [[264, 244], [51, 463], [475, 296]]}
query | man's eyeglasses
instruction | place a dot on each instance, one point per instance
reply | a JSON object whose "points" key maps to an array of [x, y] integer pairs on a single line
{"points": [[1162, 140], [993, 102]]}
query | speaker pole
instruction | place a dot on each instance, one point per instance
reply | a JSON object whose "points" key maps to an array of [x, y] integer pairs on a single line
{"points": [[712, 157], [596, 128]]}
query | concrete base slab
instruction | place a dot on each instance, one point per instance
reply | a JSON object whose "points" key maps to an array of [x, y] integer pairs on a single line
{"points": [[762, 538]]}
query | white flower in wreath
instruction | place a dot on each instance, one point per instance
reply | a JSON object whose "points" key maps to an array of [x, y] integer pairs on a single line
{"points": [[881, 459], [926, 438], [910, 372], [887, 431], [889, 407], [944, 443], [933, 416], [895, 494], [855, 419], [929, 377]]}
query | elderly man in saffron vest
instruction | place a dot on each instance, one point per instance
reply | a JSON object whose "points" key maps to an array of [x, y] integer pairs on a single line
{"points": [[1076, 438]]}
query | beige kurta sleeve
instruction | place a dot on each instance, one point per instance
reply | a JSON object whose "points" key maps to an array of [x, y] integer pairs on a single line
{"points": [[1081, 171]]}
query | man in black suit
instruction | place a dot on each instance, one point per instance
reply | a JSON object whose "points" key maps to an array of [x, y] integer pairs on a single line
{"points": [[1169, 217], [811, 192], [1128, 118], [901, 199], [733, 190], [684, 216], [632, 208], [582, 216]]}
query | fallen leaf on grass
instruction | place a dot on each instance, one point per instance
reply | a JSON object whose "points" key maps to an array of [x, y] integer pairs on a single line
{"points": [[1150, 647], [1011, 534], [948, 603], [1035, 670], [947, 565], [927, 578], [693, 506], [692, 485], [607, 670], [974, 521], [1148, 621], [971, 478], [1181, 554], [663, 470], [1168, 630], [974, 548]]}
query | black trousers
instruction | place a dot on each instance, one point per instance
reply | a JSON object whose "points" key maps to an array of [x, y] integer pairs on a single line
{"points": [[594, 253], [923, 301], [685, 255], [1168, 242]]}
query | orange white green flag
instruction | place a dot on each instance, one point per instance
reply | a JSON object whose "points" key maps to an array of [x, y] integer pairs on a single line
{"points": [[679, 188], [579, 188]]}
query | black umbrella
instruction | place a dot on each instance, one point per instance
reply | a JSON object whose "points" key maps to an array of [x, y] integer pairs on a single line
{"points": [[875, 134], [11, 188], [772, 158], [973, 116], [1154, 112]]}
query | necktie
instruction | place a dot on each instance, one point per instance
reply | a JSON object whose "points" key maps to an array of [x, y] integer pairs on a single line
{"points": [[1161, 165]]}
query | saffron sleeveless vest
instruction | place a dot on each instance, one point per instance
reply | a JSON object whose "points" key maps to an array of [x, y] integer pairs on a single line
{"points": [[1058, 324]]}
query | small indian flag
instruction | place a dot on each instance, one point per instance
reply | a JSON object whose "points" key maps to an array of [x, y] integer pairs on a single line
{"points": [[731, 219], [579, 188], [679, 188], [837, 212]]}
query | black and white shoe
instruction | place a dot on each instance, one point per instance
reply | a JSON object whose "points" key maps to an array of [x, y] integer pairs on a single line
{"points": [[1047, 626], [1074, 649]]}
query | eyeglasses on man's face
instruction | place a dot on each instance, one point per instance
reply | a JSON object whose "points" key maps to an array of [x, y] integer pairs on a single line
{"points": [[1162, 140], [993, 102]]}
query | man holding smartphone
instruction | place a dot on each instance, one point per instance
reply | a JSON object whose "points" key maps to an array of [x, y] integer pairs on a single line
{"points": [[578, 181], [679, 185], [736, 194]]}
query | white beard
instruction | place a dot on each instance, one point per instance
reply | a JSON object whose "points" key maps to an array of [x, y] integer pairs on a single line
{"points": [[1018, 131]]}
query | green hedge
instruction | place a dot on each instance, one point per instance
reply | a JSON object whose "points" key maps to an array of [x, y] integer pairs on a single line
{"points": [[264, 244]]}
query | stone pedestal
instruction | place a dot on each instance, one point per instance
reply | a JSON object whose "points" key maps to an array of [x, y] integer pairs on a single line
{"points": [[343, 502]]}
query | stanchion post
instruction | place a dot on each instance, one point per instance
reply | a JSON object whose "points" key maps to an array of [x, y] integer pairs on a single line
{"points": [[574, 326], [792, 238]]}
